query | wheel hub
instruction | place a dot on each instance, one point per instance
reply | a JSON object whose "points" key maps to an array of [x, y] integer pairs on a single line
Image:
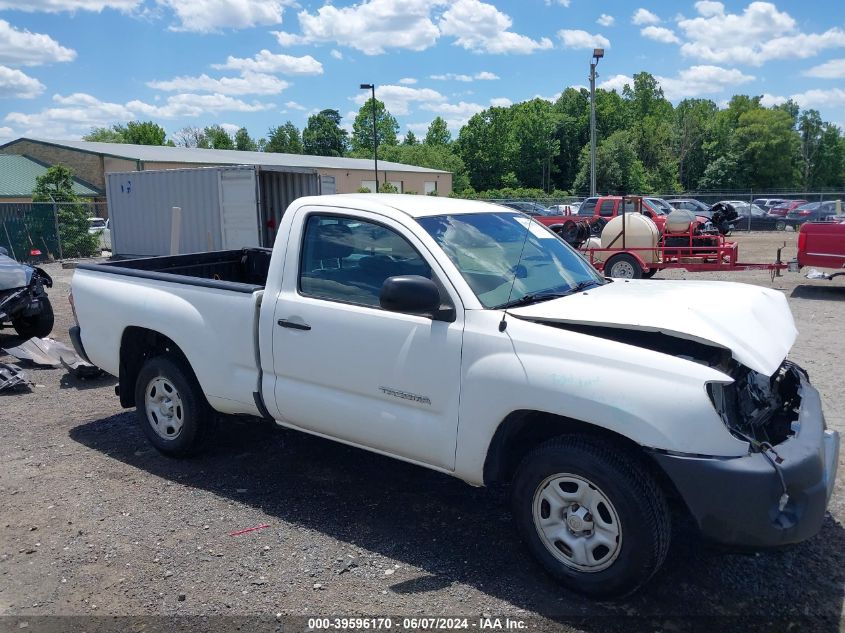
{"points": [[577, 522], [163, 404]]}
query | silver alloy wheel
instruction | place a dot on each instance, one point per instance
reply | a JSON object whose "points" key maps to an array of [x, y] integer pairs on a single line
{"points": [[577, 522], [622, 270], [164, 408]]}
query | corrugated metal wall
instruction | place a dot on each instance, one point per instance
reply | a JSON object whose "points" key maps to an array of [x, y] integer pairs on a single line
{"points": [[140, 206], [277, 190]]}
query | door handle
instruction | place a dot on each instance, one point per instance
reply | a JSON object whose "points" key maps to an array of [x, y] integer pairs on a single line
{"points": [[293, 325]]}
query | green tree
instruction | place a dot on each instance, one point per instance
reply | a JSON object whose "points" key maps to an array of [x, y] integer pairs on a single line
{"points": [[244, 142], [323, 135], [692, 118], [810, 128], [533, 125], [618, 170], [410, 139], [56, 185], [218, 138], [191, 136], [486, 147], [438, 133], [362, 128], [104, 135], [284, 139], [766, 146], [431, 156], [142, 133], [829, 168]]}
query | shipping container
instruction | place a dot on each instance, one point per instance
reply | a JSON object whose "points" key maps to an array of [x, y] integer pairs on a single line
{"points": [[222, 208]]}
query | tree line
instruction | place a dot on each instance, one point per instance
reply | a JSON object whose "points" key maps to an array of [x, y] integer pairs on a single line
{"points": [[645, 144]]}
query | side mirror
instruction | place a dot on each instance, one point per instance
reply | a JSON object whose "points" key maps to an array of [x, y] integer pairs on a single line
{"points": [[413, 294]]}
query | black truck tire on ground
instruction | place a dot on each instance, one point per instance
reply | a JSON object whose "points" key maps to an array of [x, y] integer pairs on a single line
{"points": [[171, 407], [38, 325], [629, 500], [627, 263]]}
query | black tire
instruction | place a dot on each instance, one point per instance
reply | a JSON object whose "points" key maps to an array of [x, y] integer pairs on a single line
{"points": [[637, 502], [189, 407], [633, 266], [597, 227], [38, 325], [648, 274], [780, 225]]}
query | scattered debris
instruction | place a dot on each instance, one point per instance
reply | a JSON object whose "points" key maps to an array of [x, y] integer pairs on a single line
{"points": [[47, 352], [13, 377], [252, 529]]}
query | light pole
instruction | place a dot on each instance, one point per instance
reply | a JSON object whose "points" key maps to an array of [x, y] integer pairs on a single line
{"points": [[375, 130], [598, 53]]}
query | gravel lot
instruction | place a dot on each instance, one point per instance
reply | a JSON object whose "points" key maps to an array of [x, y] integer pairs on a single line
{"points": [[94, 521]]}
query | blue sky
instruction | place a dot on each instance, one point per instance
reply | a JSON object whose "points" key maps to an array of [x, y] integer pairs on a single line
{"points": [[69, 65]]}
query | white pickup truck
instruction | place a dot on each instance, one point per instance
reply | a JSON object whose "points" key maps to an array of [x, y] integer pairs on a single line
{"points": [[465, 337]]}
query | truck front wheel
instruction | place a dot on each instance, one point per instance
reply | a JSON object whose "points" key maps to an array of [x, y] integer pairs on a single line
{"points": [[38, 325], [171, 407], [592, 515]]}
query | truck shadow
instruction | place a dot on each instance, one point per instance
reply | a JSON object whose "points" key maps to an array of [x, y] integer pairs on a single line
{"points": [[829, 292], [460, 534]]}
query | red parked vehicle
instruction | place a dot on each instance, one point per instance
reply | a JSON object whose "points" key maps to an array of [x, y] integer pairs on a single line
{"points": [[821, 244], [608, 207], [780, 210]]}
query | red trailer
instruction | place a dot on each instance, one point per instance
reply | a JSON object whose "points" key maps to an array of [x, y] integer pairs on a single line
{"points": [[693, 251]]}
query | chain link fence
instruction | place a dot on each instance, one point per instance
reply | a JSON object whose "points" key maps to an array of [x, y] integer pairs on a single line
{"points": [[34, 232]]}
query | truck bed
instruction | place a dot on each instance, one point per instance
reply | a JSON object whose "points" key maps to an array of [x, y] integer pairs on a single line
{"points": [[243, 270]]}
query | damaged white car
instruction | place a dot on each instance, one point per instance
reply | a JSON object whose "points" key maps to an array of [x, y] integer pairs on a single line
{"points": [[468, 338]]}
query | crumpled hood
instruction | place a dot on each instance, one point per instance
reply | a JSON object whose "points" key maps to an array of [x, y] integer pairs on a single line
{"points": [[12, 274], [754, 323]]}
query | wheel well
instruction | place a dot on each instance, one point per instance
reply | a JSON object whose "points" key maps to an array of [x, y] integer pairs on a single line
{"points": [[137, 346], [521, 431]]}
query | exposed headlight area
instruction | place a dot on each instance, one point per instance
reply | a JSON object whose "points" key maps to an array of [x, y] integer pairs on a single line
{"points": [[757, 408]]}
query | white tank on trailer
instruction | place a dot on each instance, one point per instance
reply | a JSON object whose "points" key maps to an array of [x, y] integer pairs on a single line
{"points": [[679, 221], [640, 233]]}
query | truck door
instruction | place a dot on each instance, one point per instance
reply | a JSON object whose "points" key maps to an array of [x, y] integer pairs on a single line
{"points": [[346, 368]]}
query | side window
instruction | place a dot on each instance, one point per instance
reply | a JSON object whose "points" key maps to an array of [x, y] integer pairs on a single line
{"points": [[588, 207], [606, 208], [346, 259]]}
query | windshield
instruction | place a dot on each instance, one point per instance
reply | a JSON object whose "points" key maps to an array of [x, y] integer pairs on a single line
{"points": [[486, 247]]}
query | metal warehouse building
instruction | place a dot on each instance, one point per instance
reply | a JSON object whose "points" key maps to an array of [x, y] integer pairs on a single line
{"points": [[92, 161]]}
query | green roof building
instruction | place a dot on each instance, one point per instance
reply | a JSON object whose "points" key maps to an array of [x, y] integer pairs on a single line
{"points": [[17, 179]]}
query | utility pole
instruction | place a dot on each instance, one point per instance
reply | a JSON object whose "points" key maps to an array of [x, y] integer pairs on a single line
{"points": [[375, 129], [598, 53]]}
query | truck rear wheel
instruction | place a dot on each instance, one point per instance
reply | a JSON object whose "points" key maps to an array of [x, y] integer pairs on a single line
{"points": [[623, 266], [38, 325], [592, 515], [171, 407]]}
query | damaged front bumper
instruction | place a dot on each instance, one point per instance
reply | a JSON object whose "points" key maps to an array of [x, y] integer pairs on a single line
{"points": [[740, 501]]}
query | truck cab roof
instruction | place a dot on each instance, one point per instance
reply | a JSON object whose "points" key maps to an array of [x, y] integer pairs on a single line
{"points": [[391, 204]]}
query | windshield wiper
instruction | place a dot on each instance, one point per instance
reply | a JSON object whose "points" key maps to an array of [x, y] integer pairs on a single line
{"points": [[537, 297]]}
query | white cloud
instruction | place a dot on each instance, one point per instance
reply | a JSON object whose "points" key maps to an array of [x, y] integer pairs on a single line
{"points": [[407, 81], [500, 102], [24, 48], [694, 81], [230, 128], [266, 62], [74, 115], [398, 99], [576, 38], [336, 54], [769, 100], [616, 82], [205, 16], [759, 34], [15, 84], [481, 27], [605, 20], [293, 105], [642, 17], [660, 34], [479, 76], [709, 8], [833, 69], [371, 26], [817, 98], [247, 83], [563, 3], [59, 6], [188, 105]]}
